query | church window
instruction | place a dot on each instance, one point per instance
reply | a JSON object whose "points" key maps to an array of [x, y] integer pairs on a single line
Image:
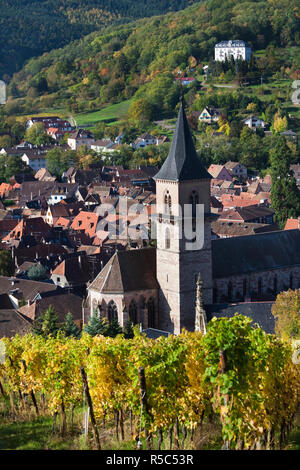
{"points": [[168, 203], [133, 312], [151, 313], [112, 311], [167, 239]]}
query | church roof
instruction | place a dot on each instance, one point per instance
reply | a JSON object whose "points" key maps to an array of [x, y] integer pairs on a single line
{"points": [[182, 162], [128, 271], [254, 253], [259, 312]]}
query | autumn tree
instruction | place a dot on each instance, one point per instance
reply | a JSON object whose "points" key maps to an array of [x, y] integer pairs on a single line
{"points": [[37, 135], [286, 311]]}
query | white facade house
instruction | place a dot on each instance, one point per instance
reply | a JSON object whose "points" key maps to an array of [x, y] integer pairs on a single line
{"points": [[252, 122], [237, 49], [36, 161], [80, 137], [144, 140], [210, 115], [104, 145]]}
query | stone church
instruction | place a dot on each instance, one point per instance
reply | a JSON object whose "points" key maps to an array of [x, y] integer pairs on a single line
{"points": [[157, 286]]}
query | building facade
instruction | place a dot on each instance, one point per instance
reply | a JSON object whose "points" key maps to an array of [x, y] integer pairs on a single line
{"points": [[236, 49]]}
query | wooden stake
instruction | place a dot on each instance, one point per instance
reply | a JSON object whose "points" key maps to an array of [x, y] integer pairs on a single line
{"points": [[31, 391], [90, 404], [144, 403]]}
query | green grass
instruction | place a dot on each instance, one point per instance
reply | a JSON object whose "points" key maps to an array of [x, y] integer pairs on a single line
{"points": [[113, 112], [33, 435]]}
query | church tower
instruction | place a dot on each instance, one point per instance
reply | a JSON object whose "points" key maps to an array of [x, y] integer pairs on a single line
{"points": [[182, 180]]}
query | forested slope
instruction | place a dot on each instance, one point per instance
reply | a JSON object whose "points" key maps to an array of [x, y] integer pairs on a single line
{"points": [[143, 56], [30, 27]]}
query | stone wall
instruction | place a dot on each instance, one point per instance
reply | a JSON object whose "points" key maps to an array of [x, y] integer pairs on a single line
{"points": [[123, 302], [257, 286]]}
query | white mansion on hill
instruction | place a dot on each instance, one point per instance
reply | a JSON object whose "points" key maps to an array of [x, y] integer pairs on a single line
{"points": [[236, 49]]}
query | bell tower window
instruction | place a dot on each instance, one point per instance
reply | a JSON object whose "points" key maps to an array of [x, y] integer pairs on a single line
{"points": [[168, 203], [167, 239]]}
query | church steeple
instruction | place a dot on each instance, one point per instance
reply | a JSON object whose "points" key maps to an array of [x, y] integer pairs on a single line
{"points": [[182, 163]]}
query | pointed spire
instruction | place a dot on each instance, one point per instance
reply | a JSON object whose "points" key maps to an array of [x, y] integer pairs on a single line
{"points": [[200, 318], [182, 162]]}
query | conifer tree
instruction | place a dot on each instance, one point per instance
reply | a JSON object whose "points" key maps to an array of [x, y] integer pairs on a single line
{"points": [[285, 196], [46, 324], [70, 328], [128, 330], [96, 326], [113, 329]]}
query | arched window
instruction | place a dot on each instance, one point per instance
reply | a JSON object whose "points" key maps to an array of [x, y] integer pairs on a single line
{"points": [[112, 311], [151, 313], [133, 312], [168, 203], [167, 239], [142, 303], [229, 291]]}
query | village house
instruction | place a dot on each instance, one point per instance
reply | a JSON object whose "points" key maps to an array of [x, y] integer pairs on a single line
{"points": [[86, 222], [104, 146], [63, 210], [226, 229], [220, 172], [62, 303], [44, 175], [292, 224], [254, 122], [21, 291], [75, 271], [35, 159], [236, 170], [256, 213], [210, 115], [34, 227], [144, 140], [80, 137], [12, 322], [50, 122]]}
